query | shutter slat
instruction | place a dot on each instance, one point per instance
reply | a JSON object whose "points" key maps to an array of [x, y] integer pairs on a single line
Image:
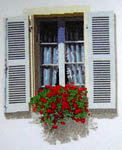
{"points": [[17, 85], [101, 62]]}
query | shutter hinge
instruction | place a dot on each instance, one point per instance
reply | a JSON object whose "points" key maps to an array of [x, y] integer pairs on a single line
{"points": [[6, 67], [86, 26], [30, 28]]}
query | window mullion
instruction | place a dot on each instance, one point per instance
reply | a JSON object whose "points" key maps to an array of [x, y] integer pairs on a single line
{"points": [[61, 50]]}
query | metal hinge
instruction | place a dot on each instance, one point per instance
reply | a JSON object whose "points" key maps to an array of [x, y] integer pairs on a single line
{"points": [[30, 28], [6, 67], [86, 26]]}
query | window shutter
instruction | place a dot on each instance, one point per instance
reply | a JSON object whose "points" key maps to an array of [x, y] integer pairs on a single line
{"points": [[17, 65], [101, 60]]}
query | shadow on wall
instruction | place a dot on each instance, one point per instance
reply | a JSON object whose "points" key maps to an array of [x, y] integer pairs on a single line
{"points": [[71, 130]]}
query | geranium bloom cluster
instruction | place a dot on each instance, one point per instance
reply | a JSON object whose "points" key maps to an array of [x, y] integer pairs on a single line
{"points": [[58, 104]]}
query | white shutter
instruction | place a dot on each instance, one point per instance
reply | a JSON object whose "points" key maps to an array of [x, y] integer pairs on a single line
{"points": [[101, 60], [17, 65]]}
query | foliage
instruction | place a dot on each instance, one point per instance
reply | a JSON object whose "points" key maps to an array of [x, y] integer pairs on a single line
{"points": [[58, 104]]}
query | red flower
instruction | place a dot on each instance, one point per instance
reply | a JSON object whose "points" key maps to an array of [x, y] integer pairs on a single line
{"points": [[86, 103], [48, 117], [49, 110], [45, 124], [55, 126], [65, 105], [62, 122], [49, 94], [42, 106], [34, 109], [65, 89], [54, 121], [77, 120], [72, 83], [82, 120], [59, 94], [80, 90], [89, 114], [53, 106], [85, 94], [60, 112], [42, 118], [80, 97], [58, 100], [64, 98], [48, 86], [45, 100], [75, 105], [37, 104], [73, 100], [64, 94], [78, 111], [67, 85], [58, 87], [56, 116], [73, 118], [40, 90], [86, 109], [36, 93], [41, 112], [73, 87], [84, 89]]}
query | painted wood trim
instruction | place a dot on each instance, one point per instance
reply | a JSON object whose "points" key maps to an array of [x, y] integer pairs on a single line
{"points": [[57, 10]]}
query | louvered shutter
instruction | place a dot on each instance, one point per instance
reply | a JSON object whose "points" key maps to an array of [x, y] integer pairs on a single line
{"points": [[17, 65], [101, 60]]}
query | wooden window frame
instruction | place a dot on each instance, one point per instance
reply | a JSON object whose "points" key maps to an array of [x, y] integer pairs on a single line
{"points": [[52, 12]]}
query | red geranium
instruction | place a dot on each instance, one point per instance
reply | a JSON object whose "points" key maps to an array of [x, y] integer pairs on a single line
{"points": [[57, 104], [55, 126], [34, 109], [41, 112], [62, 122]]}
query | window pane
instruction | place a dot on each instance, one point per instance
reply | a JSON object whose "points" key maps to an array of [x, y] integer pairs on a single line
{"points": [[74, 53], [75, 73], [49, 75], [49, 55], [48, 31], [74, 31]]}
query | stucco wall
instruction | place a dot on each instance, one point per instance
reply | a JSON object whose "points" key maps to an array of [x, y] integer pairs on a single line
{"points": [[24, 134]]}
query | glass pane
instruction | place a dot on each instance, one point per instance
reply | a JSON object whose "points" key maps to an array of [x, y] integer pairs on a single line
{"points": [[74, 31], [75, 73], [46, 77], [48, 31], [74, 53], [49, 75], [49, 55], [55, 55]]}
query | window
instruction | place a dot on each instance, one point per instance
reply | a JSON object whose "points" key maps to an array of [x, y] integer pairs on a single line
{"points": [[67, 32], [62, 48]]}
